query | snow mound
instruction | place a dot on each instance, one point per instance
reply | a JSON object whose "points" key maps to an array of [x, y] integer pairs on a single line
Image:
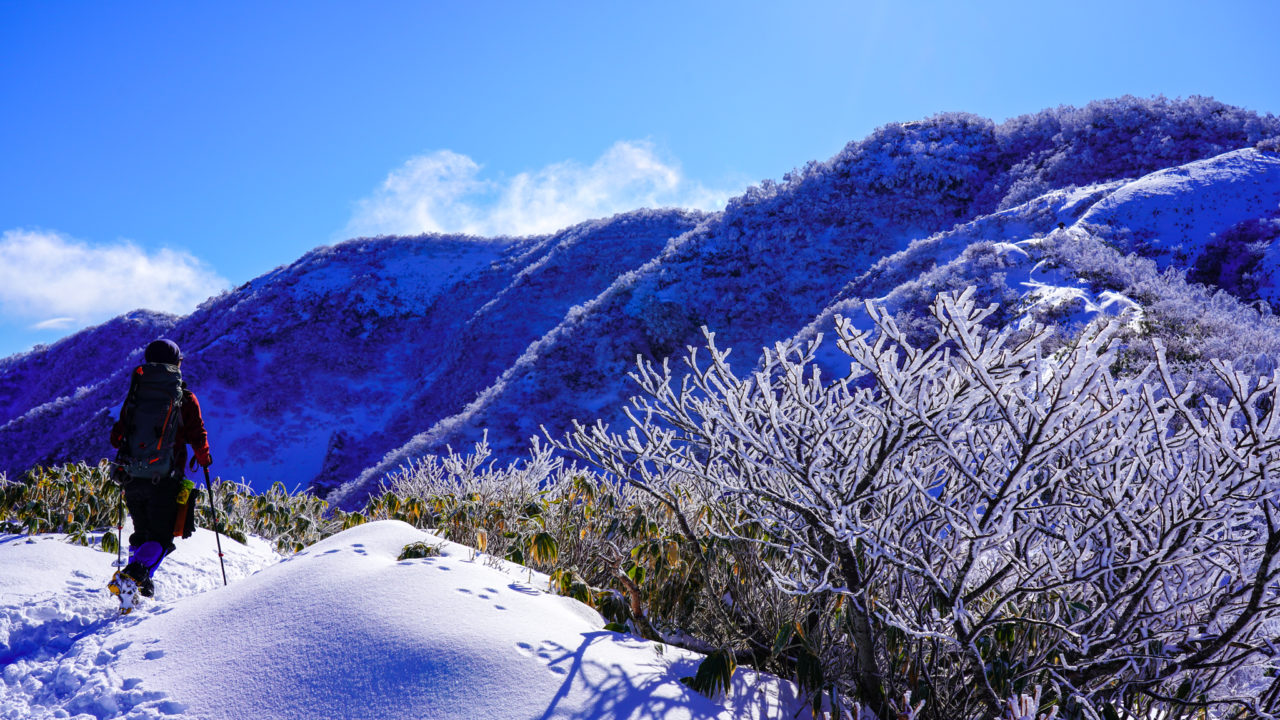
{"points": [[1172, 214], [345, 630]]}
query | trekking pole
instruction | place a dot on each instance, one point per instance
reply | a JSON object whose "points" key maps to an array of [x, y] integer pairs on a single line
{"points": [[218, 538], [119, 523], [116, 478]]}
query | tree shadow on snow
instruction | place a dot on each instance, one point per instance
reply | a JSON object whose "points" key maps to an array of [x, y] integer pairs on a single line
{"points": [[616, 692]]}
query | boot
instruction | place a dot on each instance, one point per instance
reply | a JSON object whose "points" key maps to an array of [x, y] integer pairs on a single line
{"points": [[136, 571]]}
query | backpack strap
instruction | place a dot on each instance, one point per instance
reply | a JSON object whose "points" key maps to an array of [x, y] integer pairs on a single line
{"points": [[127, 408]]}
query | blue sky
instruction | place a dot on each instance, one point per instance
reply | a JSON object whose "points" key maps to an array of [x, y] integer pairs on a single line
{"points": [[157, 153]]}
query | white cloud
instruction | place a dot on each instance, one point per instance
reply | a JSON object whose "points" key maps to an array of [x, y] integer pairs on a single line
{"points": [[63, 283], [445, 192], [58, 323]]}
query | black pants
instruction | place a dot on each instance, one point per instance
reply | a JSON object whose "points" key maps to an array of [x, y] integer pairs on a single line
{"points": [[154, 508]]}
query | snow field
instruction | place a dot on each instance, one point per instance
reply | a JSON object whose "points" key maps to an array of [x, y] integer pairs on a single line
{"points": [[341, 630], [58, 621]]}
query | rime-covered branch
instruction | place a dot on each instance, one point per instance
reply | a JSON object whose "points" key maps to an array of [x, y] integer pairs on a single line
{"points": [[997, 508]]}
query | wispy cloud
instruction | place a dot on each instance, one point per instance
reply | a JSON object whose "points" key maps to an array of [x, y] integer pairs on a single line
{"points": [[447, 192], [58, 323], [58, 283]]}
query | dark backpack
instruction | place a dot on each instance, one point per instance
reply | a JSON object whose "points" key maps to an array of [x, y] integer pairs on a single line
{"points": [[152, 416]]}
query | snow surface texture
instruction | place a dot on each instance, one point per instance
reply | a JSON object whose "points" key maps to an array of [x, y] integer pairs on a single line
{"points": [[60, 629], [341, 630]]}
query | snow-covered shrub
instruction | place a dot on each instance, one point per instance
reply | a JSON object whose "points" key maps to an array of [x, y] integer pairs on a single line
{"points": [[469, 500], [616, 548], [291, 521], [986, 514], [1196, 323], [1233, 260], [414, 551], [1118, 138]]}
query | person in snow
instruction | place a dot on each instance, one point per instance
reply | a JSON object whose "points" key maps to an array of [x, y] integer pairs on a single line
{"points": [[159, 420]]}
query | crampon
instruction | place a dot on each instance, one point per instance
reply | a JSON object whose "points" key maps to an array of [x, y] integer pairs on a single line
{"points": [[126, 588]]}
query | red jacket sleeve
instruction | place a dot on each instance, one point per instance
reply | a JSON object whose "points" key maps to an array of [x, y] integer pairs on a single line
{"points": [[193, 431]]}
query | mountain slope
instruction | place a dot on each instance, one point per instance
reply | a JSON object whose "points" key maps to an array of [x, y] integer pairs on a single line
{"points": [[763, 269], [1180, 217], [335, 370], [311, 371]]}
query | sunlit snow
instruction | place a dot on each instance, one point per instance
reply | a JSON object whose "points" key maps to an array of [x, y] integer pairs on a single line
{"points": [[341, 630]]}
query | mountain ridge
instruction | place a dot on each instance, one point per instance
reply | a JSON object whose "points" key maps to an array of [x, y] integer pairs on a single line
{"points": [[406, 346]]}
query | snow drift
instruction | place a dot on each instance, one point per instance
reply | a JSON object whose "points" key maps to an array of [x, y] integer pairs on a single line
{"points": [[341, 630]]}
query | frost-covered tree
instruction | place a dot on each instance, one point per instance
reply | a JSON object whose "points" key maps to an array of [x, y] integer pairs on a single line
{"points": [[987, 515]]}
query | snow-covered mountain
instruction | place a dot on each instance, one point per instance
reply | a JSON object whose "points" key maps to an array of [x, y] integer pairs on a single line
{"points": [[337, 369], [315, 370], [456, 635]]}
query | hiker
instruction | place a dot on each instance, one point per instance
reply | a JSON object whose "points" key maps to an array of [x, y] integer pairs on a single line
{"points": [[152, 441]]}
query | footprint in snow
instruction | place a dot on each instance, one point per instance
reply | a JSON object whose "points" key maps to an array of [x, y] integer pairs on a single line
{"points": [[551, 653], [483, 596]]}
